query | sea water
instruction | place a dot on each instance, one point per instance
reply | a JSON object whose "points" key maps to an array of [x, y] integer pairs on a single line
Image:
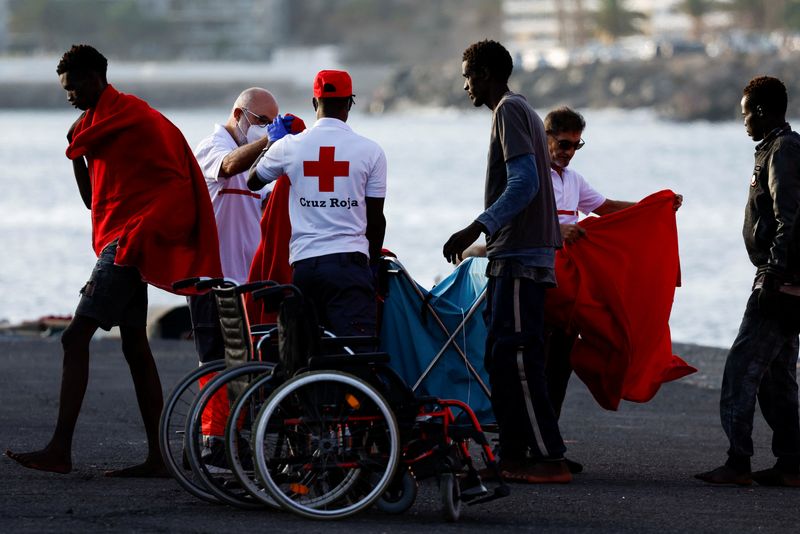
{"points": [[436, 164]]}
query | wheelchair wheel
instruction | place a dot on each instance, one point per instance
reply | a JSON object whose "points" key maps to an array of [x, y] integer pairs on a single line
{"points": [[238, 434], [326, 445], [451, 496], [172, 426], [400, 494], [207, 456]]}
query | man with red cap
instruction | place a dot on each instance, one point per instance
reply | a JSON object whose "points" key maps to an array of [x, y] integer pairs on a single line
{"points": [[338, 186]]}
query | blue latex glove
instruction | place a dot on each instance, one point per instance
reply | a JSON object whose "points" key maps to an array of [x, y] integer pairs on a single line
{"points": [[279, 128]]}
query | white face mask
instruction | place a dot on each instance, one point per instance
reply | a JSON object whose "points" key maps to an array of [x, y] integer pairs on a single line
{"points": [[256, 132], [249, 132]]}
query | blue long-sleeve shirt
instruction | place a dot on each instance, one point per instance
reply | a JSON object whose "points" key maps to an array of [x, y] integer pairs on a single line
{"points": [[522, 185]]}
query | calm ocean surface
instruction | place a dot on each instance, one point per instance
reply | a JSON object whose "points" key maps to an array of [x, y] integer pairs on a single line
{"points": [[436, 170]]}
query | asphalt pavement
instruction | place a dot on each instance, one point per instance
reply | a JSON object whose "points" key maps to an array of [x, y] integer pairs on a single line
{"points": [[638, 463]]}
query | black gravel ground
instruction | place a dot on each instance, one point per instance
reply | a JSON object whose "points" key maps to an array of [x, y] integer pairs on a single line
{"points": [[639, 463]]}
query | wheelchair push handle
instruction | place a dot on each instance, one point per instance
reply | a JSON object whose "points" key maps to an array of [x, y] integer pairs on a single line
{"points": [[251, 287], [203, 283], [283, 290]]}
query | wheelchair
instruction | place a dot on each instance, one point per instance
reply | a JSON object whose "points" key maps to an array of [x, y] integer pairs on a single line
{"points": [[318, 425]]}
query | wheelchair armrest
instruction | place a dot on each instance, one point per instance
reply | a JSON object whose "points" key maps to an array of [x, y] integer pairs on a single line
{"points": [[339, 360], [186, 282], [208, 283], [283, 289], [253, 286]]}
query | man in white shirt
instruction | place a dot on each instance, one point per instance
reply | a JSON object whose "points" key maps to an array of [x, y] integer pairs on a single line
{"points": [[225, 156], [338, 186], [573, 194]]}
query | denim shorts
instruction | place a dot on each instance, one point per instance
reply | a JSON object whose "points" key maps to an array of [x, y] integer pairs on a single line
{"points": [[114, 295], [208, 338]]}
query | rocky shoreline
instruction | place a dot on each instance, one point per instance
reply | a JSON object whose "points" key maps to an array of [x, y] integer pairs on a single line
{"points": [[683, 88], [692, 87]]}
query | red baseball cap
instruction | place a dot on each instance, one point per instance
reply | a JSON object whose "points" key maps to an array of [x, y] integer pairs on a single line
{"points": [[297, 124], [333, 84]]}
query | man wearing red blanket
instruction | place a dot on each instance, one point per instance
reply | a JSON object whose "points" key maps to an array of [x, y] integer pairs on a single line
{"points": [[149, 209]]}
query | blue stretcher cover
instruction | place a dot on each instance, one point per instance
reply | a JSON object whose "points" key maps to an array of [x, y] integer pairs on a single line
{"points": [[410, 334]]}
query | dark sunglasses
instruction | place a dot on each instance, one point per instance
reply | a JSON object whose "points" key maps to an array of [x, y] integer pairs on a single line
{"points": [[566, 144]]}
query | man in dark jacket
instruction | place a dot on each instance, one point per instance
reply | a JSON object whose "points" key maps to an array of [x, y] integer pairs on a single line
{"points": [[762, 362]]}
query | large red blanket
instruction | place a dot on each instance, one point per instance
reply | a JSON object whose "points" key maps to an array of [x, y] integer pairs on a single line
{"points": [[147, 191], [615, 288], [271, 260]]}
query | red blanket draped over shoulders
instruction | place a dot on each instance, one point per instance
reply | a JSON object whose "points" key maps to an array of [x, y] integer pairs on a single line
{"points": [[271, 260], [615, 287], [147, 191]]}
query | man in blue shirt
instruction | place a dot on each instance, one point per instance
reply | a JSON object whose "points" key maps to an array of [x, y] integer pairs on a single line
{"points": [[522, 234]]}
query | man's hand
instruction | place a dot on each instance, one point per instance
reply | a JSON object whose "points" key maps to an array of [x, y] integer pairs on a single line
{"points": [[460, 240], [678, 202], [571, 233], [279, 127]]}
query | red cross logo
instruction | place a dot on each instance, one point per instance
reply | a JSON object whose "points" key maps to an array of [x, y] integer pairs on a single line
{"points": [[326, 169]]}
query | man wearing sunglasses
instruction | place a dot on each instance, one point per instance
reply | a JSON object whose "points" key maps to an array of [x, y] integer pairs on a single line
{"points": [[573, 194]]}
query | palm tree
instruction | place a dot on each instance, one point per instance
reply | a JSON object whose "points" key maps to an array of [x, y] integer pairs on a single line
{"points": [[792, 14], [756, 14], [614, 20], [697, 10]]}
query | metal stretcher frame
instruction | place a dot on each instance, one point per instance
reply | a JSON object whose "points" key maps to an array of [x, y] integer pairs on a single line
{"points": [[452, 335]]}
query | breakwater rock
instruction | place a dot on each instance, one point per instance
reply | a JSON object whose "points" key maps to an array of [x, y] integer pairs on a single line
{"points": [[692, 87]]}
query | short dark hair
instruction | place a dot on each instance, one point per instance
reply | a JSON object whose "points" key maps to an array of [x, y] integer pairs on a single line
{"points": [[83, 58], [491, 56], [564, 119], [336, 103], [769, 93]]}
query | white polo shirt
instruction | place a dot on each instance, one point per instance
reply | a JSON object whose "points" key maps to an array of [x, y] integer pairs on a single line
{"points": [[573, 194], [236, 208], [332, 170]]}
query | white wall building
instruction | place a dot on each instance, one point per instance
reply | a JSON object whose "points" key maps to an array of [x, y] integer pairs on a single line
{"points": [[549, 31]]}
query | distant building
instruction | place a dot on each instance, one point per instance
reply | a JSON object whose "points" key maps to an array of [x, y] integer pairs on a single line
{"points": [[235, 29], [548, 31], [230, 29], [3, 26]]}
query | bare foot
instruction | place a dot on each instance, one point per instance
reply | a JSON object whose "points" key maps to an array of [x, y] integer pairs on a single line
{"points": [[148, 469], [43, 460]]}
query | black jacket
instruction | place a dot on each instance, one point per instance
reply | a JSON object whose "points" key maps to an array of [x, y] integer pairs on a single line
{"points": [[772, 216]]}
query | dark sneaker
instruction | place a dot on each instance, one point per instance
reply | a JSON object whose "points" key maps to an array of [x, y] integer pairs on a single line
{"points": [[540, 472], [774, 477], [725, 475], [213, 455], [573, 466]]}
